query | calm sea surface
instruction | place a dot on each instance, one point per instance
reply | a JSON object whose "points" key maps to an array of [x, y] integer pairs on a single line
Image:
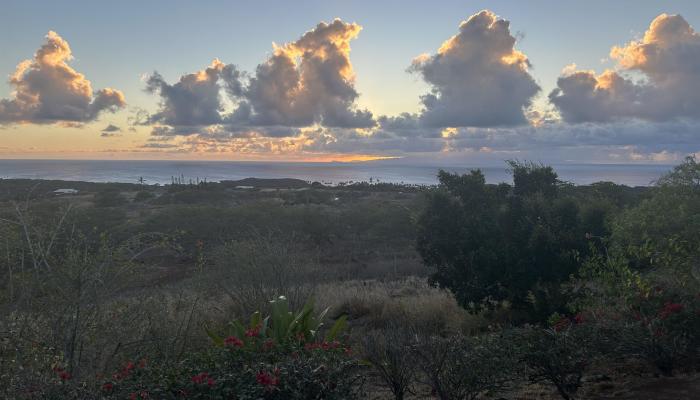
{"points": [[331, 173]]}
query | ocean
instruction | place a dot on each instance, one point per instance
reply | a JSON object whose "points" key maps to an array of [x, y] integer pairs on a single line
{"points": [[395, 171]]}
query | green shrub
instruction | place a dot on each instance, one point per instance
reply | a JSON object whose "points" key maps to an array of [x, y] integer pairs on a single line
{"points": [[660, 328], [489, 244], [325, 372], [641, 315], [280, 356], [663, 231]]}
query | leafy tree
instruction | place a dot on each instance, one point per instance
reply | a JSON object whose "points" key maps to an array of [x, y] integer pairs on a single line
{"points": [[663, 231], [686, 175], [490, 243], [529, 178]]}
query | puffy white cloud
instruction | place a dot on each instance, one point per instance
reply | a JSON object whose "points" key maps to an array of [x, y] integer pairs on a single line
{"points": [[303, 83], [581, 96], [302, 100], [194, 100], [309, 81], [478, 78], [48, 90], [668, 58]]}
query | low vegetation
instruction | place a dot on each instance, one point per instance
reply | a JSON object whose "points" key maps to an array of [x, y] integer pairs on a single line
{"points": [[464, 290]]}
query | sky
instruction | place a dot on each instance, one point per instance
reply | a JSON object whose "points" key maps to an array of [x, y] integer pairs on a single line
{"points": [[449, 81]]}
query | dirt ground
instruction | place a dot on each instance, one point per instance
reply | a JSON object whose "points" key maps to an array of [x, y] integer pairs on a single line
{"points": [[685, 387]]}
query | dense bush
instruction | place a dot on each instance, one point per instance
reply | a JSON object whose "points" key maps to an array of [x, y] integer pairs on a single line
{"points": [[257, 370], [663, 232], [659, 327], [495, 243], [281, 356], [640, 316]]}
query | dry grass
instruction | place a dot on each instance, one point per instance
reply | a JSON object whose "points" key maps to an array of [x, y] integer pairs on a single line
{"points": [[372, 304]]}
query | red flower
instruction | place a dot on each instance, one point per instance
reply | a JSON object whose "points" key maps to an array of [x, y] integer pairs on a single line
{"points": [[125, 371], [561, 325], [201, 378], [65, 376], [253, 332], [578, 318], [670, 308], [211, 382], [265, 379], [233, 341], [674, 307], [107, 387], [311, 346], [144, 394], [133, 396]]}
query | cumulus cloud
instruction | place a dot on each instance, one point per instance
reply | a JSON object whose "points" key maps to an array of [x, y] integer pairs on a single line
{"points": [[194, 100], [477, 76], [302, 100], [667, 57], [309, 81], [48, 90], [303, 83]]}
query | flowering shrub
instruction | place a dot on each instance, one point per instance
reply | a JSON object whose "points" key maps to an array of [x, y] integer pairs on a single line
{"points": [[282, 327], [653, 316], [660, 327], [281, 356]]}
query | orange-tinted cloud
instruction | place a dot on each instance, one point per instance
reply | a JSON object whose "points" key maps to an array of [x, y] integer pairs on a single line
{"points": [[303, 83], [477, 76], [47, 90], [194, 100], [308, 81], [668, 56]]}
